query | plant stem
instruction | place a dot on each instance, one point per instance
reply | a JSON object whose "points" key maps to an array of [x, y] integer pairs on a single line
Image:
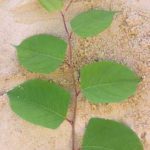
{"points": [[2, 93], [76, 93], [74, 110], [69, 35], [71, 1]]}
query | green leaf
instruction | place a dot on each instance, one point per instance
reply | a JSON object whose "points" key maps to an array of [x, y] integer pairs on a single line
{"points": [[52, 5], [42, 53], [107, 82], [92, 22], [104, 134], [40, 102]]}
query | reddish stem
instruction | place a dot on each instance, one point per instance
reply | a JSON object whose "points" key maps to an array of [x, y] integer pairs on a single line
{"points": [[69, 36], [2, 93], [70, 121], [69, 4], [76, 92], [74, 121], [64, 21]]}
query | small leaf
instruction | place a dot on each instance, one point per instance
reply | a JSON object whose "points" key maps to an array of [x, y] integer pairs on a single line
{"points": [[107, 82], [52, 5], [42, 53], [92, 22], [104, 134], [40, 102]]}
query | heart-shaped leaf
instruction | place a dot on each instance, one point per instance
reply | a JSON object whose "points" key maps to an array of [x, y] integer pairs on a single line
{"points": [[40, 102], [52, 5], [104, 134], [107, 82], [42, 53], [92, 22]]}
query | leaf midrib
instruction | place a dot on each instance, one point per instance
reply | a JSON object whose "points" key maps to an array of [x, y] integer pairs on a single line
{"points": [[46, 55], [108, 83], [46, 109]]}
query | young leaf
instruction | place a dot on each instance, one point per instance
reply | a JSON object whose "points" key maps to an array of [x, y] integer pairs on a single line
{"points": [[92, 22], [40, 102], [52, 5], [42, 53], [104, 134], [107, 82]]}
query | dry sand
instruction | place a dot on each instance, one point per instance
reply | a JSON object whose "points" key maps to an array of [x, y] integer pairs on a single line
{"points": [[127, 41]]}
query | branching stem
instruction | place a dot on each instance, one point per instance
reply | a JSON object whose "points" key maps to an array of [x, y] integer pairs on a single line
{"points": [[69, 36], [2, 93], [72, 71], [70, 121]]}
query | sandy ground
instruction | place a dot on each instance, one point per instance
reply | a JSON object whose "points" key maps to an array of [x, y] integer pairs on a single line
{"points": [[127, 41]]}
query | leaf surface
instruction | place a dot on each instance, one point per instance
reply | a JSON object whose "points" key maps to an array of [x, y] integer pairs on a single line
{"points": [[92, 22], [104, 134], [52, 5], [108, 82], [42, 53], [40, 102]]}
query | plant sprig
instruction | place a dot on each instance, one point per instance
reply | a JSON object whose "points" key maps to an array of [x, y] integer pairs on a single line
{"points": [[45, 103]]}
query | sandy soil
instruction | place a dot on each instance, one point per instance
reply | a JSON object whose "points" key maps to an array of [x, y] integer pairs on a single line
{"points": [[127, 41]]}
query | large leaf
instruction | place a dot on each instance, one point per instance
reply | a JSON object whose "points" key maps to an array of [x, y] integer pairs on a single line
{"points": [[109, 135], [107, 82], [42, 53], [52, 5], [92, 22], [40, 102]]}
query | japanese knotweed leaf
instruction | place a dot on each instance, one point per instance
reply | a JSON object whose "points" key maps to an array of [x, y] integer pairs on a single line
{"points": [[40, 102], [52, 5], [42, 53], [104, 134], [92, 22], [107, 82]]}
